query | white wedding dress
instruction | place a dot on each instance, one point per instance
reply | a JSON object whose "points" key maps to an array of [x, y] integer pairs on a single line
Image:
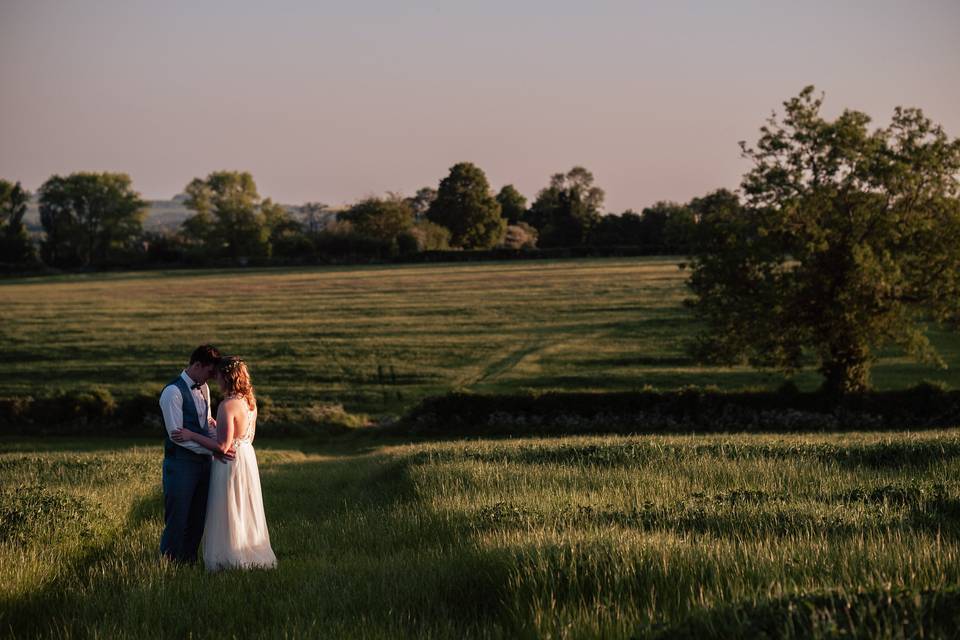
{"points": [[235, 534]]}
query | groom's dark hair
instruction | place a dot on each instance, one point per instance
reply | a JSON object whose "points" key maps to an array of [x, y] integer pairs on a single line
{"points": [[205, 354]]}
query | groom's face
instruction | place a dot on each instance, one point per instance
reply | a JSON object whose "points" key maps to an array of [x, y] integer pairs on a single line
{"points": [[206, 372], [200, 372]]}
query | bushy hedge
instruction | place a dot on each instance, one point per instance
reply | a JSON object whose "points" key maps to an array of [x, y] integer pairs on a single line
{"points": [[96, 411], [69, 411], [686, 410]]}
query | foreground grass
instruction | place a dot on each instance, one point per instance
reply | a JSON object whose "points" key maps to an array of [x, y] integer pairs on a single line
{"points": [[805, 536], [380, 338]]}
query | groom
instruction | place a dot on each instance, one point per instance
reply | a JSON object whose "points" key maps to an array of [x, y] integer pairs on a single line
{"points": [[185, 403]]}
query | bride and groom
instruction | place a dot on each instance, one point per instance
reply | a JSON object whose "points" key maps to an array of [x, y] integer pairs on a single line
{"points": [[211, 483]]}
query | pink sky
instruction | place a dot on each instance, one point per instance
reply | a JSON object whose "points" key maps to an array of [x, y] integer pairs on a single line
{"points": [[332, 101]]}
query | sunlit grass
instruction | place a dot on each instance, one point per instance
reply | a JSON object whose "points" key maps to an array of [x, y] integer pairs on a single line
{"points": [[572, 537]]}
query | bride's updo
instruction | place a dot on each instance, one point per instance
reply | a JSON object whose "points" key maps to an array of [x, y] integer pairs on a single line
{"points": [[236, 379]]}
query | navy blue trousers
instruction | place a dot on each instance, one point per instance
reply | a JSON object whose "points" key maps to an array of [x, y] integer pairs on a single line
{"points": [[185, 486]]}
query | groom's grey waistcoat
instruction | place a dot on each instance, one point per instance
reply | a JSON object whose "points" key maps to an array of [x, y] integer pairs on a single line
{"points": [[190, 421]]}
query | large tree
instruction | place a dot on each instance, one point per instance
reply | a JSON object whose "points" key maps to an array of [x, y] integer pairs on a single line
{"points": [[229, 218], [465, 206], [848, 242], [89, 218], [15, 244], [566, 212]]}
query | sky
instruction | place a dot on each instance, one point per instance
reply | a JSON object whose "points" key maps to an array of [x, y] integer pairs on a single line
{"points": [[336, 101]]}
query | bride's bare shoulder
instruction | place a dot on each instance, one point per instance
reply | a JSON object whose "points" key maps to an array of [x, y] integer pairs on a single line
{"points": [[232, 403]]}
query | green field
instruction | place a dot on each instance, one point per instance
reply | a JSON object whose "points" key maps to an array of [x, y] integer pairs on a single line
{"points": [[379, 338], [795, 536], [613, 537]]}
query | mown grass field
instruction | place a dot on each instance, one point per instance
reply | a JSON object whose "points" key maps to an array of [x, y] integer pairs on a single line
{"points": [[379, 338], [377, 537], [613, 537]]}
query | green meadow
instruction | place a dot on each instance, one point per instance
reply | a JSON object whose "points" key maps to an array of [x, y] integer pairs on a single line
{"points": [[853, 535], [379, 338], [816, 536]]}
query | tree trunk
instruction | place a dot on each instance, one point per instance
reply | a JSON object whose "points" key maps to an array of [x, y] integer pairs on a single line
{"points": [[846, 370]]}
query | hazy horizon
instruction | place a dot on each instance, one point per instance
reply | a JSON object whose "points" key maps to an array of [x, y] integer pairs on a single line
{"points": [[334, 101]]}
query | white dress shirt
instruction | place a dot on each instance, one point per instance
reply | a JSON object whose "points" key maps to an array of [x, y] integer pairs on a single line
{"points": [[171, 404]]}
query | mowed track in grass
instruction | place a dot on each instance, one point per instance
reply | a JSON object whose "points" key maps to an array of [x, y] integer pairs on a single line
{"points": [[607, 537], [379, 338]]}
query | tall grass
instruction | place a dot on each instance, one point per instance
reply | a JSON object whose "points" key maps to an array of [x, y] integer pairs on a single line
{"points": [[618, 537]]}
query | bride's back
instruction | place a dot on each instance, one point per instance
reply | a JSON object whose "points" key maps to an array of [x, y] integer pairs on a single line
{"points": [[243, 418]]}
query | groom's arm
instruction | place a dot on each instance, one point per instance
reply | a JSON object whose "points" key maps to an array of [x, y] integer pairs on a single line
{"points": [[171, 405]]}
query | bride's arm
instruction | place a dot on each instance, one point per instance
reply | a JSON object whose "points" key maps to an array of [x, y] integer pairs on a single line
{"points": [[224, 440]]}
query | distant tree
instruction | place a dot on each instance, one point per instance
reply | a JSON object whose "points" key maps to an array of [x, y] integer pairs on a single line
{"points": [[668, 227], [284, 234], [848, 242], [316, 217], [380, 218], [228, 215], [421, 202], [59, 247], [619, 230], [199, 234], [15, 244], [513, 206], [566, 212], [465, 206], [90, 218], [711, 210], [340, 240]]}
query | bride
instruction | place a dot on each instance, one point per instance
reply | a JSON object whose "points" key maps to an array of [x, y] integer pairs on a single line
{"points": [[235, 534]]}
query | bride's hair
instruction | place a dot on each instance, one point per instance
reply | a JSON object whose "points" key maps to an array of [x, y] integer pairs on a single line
{"points": [[237, 379]]}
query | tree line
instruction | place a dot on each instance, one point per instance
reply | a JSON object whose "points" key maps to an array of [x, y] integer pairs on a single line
{"points": [[93, 220]]}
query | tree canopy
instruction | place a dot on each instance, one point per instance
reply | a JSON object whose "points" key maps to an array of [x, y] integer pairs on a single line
{"points": [[15, 244], [230, 219], [848, 242], [420, 202], [513, 206], [380, 218], [465, 206], [89, 218], [566, 212]]}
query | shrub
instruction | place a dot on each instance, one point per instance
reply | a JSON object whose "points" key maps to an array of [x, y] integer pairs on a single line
{"points": [[73, 407], [318, 418], [520, 236], [683, 410], [341, 241]]}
